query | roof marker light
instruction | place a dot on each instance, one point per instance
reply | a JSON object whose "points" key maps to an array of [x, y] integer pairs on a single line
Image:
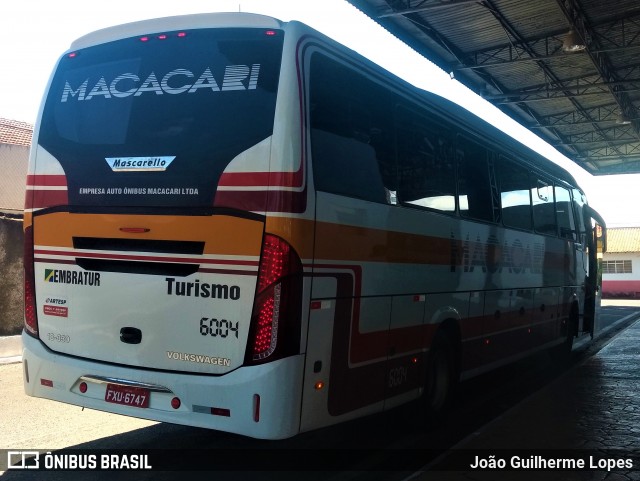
{"points": [[270, 33], [162, 37], [144, 39], [182, 34], [73, 55]]}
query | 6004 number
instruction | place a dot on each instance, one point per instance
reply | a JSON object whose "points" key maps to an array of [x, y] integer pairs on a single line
{"points": [[218, 327]]}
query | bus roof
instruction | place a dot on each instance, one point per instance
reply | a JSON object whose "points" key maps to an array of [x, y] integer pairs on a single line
{"points": [[182, 22]]}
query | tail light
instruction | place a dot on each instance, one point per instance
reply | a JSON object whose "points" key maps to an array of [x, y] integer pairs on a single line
{"points": [[30, 313], [275, 321]]}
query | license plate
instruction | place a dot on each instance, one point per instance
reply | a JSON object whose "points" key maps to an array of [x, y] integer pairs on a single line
{"points": [[128, 395]]}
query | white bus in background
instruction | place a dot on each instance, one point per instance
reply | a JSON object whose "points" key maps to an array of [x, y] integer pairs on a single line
{"points": [[239, 224]]}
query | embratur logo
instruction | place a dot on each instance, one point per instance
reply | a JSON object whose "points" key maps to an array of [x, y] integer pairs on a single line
{"points": [[63, 276]]}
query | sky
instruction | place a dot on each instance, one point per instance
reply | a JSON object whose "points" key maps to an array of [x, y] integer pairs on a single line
{"points": [[34, 33]]}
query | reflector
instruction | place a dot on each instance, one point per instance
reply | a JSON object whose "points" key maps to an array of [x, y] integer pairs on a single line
{"points": [[256, 407], [221, 412]]}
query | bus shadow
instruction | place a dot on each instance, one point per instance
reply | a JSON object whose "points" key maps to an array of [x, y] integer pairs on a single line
{"points": [[363, 444]]}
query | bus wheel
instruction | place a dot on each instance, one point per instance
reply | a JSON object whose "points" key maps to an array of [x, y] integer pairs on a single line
{"points": [[563, 351], [441, 376]]}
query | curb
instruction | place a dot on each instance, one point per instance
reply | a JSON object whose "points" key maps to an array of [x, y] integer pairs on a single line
{"points": [[10, 349]]}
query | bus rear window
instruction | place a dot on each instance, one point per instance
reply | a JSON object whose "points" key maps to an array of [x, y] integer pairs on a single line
{"points": [[135, 121]]}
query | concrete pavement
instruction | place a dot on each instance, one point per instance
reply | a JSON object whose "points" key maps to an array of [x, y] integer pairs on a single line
{"points": [[589, 416], [10, 349]]}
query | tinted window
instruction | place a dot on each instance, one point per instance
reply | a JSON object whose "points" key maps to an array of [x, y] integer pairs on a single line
{"points": [[515, 195], [475, 196], [202, 98], [426, 165], [579, 201], [351, 132], [544, 214], [564, 213]]}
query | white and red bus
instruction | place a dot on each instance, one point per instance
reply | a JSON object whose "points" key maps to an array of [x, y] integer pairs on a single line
{"points": [[237, 223]]}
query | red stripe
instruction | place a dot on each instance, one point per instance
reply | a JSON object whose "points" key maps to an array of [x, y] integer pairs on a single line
{"points": [[620, 287], [45, 180], [206, 271], [227, 271], [89, 255], [262, 200], [262, 179], [37, 199], [55, 261]]}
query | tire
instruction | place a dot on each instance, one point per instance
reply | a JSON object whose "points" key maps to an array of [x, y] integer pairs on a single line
{"points": [[562, 352], [441, 376]]}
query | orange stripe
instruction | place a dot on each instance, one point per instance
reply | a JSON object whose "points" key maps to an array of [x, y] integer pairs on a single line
{"points": [[345, 242], [223, 235], [297, 232]]}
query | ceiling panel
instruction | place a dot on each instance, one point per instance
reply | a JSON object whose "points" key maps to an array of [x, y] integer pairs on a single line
{"points": [[515, 53]]}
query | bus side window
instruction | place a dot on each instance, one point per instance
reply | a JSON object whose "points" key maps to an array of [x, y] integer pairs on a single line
{"points": [[578, 203], [544, 214], [564, 213], [426, 169], [515, 197], [475, 196], [351, 132]]}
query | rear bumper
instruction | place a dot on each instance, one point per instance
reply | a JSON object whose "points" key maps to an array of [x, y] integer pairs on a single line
{"points": [[278, 384]]}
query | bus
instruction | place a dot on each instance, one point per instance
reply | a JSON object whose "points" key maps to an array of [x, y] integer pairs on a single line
{"points": [[237, 223]]}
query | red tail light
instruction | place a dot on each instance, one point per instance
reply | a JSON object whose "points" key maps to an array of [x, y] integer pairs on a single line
{"points": [[30, 313], [275, 322]]}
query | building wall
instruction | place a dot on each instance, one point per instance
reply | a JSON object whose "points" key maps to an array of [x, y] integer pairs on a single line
{"points": [[11, 277], [13, 165], [622, 285]]}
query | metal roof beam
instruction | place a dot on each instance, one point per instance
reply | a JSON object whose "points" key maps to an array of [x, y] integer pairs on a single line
{"points": [[556, 93], [513, 59], [598, 153], [622, 34], [602, 113], [427, 30], [425, 6], [592, 79], [581, 85], [578, 21], [632, 142], [616, 166], [531, 52]]}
